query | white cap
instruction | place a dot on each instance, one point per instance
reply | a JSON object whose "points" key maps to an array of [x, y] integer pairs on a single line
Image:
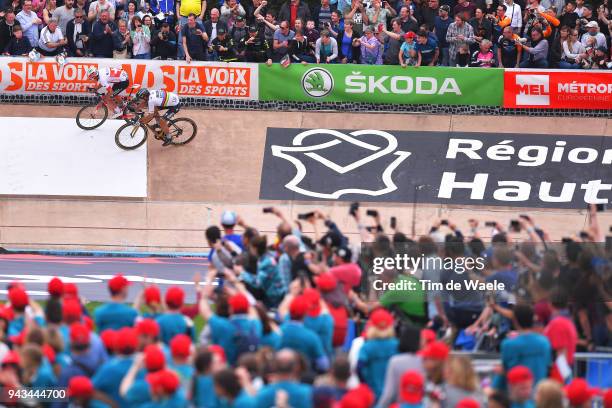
{"points": [[592, 24], [228, 218]]}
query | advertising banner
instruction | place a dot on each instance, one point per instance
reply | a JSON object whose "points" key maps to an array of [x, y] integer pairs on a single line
{"points": [[560, 89], [523, 170], [378, 84], [198, 79]]}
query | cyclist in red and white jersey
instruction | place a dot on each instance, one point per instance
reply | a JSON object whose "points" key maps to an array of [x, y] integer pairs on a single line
{"points": [[155, 101], [114, 81]]}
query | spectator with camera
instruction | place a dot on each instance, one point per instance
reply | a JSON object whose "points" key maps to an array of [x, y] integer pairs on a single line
{"points": [[195, 40], [536, 51], [380, 13], [322, 14], [78, 31], [336, 25], [257, 48], [141, 39], [230, 10], [223, 46], [165, 42]]}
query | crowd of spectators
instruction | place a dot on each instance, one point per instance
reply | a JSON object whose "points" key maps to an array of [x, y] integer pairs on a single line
{"points": [[475, 33], [295, 322]]}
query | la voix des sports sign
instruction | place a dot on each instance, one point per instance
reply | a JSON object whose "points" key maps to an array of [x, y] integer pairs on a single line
{"points": [[375, 84], [523, 170], [198, 79]]}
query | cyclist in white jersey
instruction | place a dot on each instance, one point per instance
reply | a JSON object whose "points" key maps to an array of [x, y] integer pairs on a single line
{"points": [[114, 81], [157, 100]]}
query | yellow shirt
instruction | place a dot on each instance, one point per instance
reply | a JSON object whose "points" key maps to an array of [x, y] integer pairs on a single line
{"points": [[190, 6]]}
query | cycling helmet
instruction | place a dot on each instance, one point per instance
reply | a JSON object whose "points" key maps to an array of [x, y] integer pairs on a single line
{"points": [[92, 73], [142, 94]]}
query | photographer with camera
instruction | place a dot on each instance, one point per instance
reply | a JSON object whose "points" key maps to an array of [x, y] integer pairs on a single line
{"points": [[536, 51], [256, 47], [165, 43], [223, 45]]}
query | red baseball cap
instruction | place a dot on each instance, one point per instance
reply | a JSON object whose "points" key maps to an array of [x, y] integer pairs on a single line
{"points": [[154, 358], [412, 387], [71, 310], [239, 303], [298, 307], [79, 333], [163, 381], [436, 350], [147, 327], [18, 297], [55, 287], [381, 318], [109, 338], [7, 313], [409, 34], [519, 374], [70, 290], [118, 283], [126, 340], [175, 297], [468, 403], [359, 397], [326, 282], [314, 298], [428, 336], [180, 346], [578, 392], [152, 295], [11, 357], [49, 353], [218, 351], [80, 387], [607, 399], [18, 339]]}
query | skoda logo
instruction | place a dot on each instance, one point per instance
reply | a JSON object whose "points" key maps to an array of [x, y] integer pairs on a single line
{"points": [[317, 82]]}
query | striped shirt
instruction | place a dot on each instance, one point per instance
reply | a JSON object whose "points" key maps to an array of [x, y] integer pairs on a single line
{"points": [[162, 99]]}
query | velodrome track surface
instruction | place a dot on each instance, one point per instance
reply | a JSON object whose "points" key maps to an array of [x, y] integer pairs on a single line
{"points": [[90, 273], [187, 187]]}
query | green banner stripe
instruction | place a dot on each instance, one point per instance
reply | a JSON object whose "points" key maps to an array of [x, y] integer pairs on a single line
{"points": [[382, 84]]}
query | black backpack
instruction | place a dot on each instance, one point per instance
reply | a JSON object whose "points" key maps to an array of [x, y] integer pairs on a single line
{"points": [[246, 341]]}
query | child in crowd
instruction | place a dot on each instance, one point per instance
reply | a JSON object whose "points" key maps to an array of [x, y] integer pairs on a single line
{"points": [[408, 55], [463, 56], [483, 57]]}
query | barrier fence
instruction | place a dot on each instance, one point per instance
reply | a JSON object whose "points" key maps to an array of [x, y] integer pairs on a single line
{"points": [[507, 88]]}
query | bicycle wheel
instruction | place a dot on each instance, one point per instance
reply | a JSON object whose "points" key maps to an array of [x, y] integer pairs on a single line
{"points": [[182, 130], [130, 137], [91, 116]]}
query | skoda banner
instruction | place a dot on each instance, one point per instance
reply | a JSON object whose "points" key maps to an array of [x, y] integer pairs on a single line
{"points": [[376, 84], [524, 170]]}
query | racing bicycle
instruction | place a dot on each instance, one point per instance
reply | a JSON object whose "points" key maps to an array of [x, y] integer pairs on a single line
{"points": [[133, 134], [93, 115]]}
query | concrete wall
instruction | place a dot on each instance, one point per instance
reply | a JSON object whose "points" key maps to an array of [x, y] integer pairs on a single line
{"points": [[189, 186]]}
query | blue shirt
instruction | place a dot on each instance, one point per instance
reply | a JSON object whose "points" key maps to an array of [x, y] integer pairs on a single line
{"points": [[427, 50], [323, 326], [372, 363], [235, 238], [204, 395], [441, 27], [44, 377], [184, 371], [172, 324], [114, 316], [300, 395], [138, 394], [16, 326], [529, 349], [268, 278], [109, 376], [297, 337], [272, 340], [223, 331], [177, 400]]}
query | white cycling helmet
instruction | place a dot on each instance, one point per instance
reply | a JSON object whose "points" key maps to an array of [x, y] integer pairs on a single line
{"points": [[92, 73]]}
